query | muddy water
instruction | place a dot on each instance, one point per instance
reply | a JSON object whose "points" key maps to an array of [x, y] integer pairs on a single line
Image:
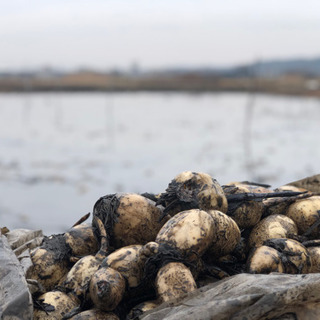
{"points": [[60, 152]]}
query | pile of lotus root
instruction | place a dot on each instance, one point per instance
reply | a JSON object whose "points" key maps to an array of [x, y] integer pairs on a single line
{"points": [[141, 250]]}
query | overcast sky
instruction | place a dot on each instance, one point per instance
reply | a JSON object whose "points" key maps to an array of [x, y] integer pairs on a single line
{"points": [[153, 33]]}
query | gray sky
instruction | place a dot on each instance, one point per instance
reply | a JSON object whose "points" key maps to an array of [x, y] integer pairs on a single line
{"points": [[166, 33]]}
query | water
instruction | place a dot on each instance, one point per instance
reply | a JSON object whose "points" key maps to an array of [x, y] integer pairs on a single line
{"points": [[60, 152]]}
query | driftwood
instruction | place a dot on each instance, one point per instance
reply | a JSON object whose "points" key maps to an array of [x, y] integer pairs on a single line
{"points": [[15, 297], [310, 183], [249, 297]]}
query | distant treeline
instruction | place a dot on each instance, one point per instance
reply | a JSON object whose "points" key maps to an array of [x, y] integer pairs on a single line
{"points": [[298, 77]]}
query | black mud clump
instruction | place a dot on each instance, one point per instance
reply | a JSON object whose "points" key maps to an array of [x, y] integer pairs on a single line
{"points": [[180, 196], [150, 196], [133, 297], [232, 264], [278, 244], [58, 246], [46, 307], [165, 255], [311, 243], [285, 254], [106, 210]]}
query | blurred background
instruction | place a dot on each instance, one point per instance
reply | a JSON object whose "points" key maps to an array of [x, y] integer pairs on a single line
{"points": [[98, 97]]}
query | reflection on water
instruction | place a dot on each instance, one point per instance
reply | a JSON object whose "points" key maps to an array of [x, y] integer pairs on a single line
{"points": [[60, 152]]}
